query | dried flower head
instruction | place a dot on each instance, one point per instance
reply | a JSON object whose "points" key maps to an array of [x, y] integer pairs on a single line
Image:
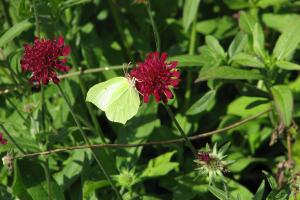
{"points": [[211, 162], [155, 76], [44, 58], [2, 140], [8, 161]]}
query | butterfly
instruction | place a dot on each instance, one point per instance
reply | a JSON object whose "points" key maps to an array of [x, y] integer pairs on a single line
{"points": [[117, 97]]}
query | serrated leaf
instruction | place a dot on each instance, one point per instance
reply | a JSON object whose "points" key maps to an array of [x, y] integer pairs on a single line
{"points": [[244, 59], [283, 99], [288, 65], [202, 104], [228, 73], [14, 31], [287, 41], [238, 44], [189, 12]]}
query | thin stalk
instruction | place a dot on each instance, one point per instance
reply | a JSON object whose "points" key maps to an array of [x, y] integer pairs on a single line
{"points": [[154, 26], [18, 111], [289, 145], [88, 142], [150, 143], [47, 176], [12, 139], [192, 46], [5, 13], [188, 142], [36, 18], [120, 29]]}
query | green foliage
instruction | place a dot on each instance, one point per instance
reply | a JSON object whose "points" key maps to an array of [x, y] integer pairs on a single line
{"points": [[237, 59]]}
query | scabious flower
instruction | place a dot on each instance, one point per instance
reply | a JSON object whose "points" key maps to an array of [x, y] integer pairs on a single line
{"points": [[2, 140], [155, 77], [44, 58], [211, 162]]}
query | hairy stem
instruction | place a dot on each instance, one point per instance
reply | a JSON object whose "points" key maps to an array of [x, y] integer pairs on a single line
{"points": [[88, 142]]}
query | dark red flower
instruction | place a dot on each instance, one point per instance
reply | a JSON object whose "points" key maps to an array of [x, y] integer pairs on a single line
{"points": [[2, 140], [204, 156], [155, 76], [44, 58]]}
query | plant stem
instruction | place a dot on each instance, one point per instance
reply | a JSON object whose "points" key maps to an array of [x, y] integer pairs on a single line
{"points": [[18, 111], [12, 139], [188, 142], [36, 18], [47, 176], [120, 30], [5, 13], [154, 27], [192, 46], [151, 143], [88, 142]]}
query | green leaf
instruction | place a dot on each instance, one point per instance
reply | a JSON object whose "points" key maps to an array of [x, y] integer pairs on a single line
{"points": [[187, 60], [14, 31], [284, 103], [279, 22], [267, 3], [287, 65], [258, 40], [220, 194], [272, 181], [202, 104], [228, 73], [244, 59], [214, 44], [160, 166], [238, 44], [190, 11], [260, 191], [239, 106], [237, 4], [72, 169], [246, 22], [288, 41]]}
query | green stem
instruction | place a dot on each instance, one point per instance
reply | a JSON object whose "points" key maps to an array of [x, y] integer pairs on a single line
{"points": [[188, 142], [192, 46], [18, 111], [47, 175], [12, 139], [36, 17], [88, 142], [5, 13], [154, 27], [120, 30]]}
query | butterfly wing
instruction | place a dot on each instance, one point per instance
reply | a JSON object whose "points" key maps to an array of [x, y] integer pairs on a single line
{"points": [[103, 94], [125, 107], [117, 97]]}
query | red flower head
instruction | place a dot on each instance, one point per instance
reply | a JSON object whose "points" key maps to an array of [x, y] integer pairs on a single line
{"points": [[155, 76], [43, 59], [2, 140]]}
